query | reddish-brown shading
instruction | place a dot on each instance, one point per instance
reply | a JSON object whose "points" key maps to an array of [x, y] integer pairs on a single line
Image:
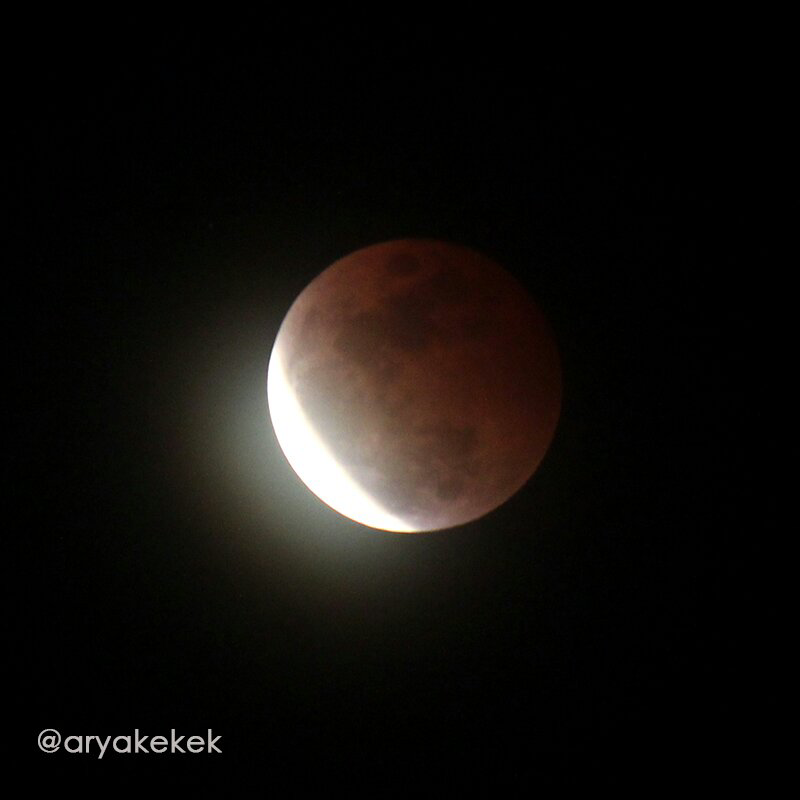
{"points": [[430, 374]]}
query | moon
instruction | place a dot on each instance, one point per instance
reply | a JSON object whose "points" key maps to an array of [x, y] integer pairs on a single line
{"points": [[414, 385]]}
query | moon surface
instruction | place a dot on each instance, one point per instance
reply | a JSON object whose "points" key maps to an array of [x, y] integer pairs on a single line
{"points": [[414, 385]]}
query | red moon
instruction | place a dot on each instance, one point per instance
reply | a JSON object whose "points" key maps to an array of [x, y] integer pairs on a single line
{"points": [[414, 385]]}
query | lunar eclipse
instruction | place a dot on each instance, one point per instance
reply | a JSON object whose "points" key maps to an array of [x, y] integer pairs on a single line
{"points": [[281, 293], [414, 385]]}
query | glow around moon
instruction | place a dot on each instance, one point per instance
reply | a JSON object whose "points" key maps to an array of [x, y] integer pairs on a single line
{"points": [[414, 385]]}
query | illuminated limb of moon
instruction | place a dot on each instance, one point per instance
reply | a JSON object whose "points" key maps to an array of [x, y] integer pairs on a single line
{"points": [[313, 462]]}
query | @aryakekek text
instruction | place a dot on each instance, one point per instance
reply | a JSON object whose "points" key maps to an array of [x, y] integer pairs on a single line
{"points": [[51, 741]]}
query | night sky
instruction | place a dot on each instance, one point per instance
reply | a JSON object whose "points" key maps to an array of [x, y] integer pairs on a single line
{"points": [[172, 195]]}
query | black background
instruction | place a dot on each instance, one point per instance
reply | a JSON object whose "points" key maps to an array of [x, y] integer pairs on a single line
{"points": [[176, 191]]}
